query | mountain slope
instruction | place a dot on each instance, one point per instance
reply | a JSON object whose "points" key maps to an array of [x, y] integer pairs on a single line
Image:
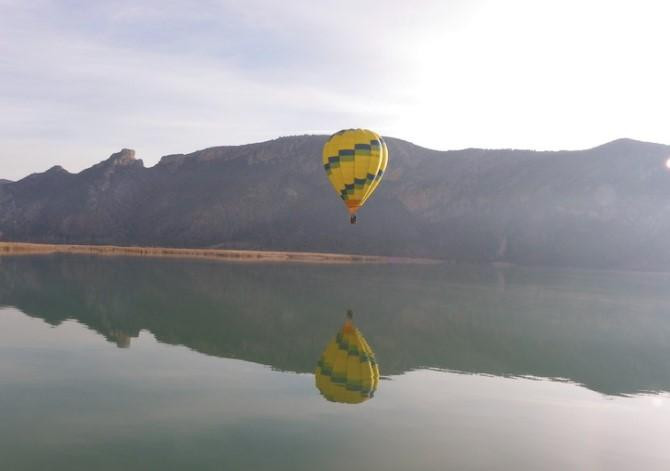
{"points": [[606, 207]]}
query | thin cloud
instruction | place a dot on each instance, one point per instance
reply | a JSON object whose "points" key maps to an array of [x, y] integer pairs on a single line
{"points": [[82, 79]]}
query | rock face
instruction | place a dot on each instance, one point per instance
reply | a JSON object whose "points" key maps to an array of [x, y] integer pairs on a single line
{"points": [[606, 207]]}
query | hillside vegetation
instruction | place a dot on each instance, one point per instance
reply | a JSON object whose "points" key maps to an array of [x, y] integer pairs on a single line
{"points": [[606, 207]]}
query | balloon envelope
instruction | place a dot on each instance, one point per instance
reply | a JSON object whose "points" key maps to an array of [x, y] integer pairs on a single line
{"points": [[347, 371], [355, 161]]}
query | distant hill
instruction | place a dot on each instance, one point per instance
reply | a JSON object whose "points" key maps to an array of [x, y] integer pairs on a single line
{"points": [[606, 207]]}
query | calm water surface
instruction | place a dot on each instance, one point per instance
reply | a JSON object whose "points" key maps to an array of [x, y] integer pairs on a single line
{"points": [[126, 363]]}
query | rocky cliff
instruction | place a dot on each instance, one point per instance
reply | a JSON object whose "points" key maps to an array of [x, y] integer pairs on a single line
{"points": [[606, 207]]}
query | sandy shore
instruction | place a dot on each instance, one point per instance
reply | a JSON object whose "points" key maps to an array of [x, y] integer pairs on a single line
{"points": [[21, 248]]}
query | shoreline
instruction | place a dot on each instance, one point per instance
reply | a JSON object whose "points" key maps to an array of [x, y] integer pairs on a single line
{"points": [[28, 248]]}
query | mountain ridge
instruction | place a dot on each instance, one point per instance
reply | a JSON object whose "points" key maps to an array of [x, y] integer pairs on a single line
{"points": [[169, 158], [603, 207]]}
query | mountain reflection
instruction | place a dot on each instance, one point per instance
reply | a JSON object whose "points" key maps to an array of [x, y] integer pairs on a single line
{"points": [[610, 332]]}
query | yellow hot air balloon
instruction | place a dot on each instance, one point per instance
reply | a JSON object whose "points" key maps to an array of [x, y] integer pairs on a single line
{"points": [[347, 370], [355, 161]]}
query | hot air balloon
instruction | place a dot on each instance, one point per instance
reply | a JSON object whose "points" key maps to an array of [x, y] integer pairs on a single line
{"points": [[355, 161], [347, 370]]}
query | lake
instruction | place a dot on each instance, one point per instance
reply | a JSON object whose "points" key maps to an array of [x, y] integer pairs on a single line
{"points": [[135, 364]]}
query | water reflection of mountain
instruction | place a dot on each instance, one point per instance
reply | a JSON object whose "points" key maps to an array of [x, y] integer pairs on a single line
{"points": [[610, 332]]}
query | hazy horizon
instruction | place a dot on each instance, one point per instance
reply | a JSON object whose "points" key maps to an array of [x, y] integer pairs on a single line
{"points": [[153, 162]]}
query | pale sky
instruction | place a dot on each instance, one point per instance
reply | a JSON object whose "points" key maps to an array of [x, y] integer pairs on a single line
{"points": [[79, 80]]}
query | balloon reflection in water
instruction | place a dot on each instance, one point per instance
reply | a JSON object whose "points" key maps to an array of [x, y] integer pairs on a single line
{"points": [[347, 370]]}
